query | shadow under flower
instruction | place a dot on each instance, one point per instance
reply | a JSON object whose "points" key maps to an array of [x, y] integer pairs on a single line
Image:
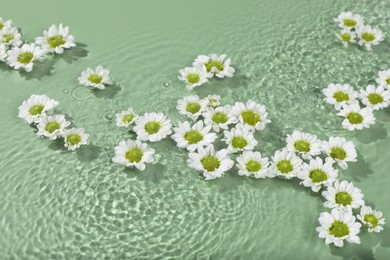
{"points": [[109, 92], [73, 54], [88, 153], [359, 169]]}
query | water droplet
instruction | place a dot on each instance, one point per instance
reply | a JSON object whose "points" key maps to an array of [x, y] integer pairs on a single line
{"points": [[166, 84], [81, 93], [108, 115], [66, 91]]}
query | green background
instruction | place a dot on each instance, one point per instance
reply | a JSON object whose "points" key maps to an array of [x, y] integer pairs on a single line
{"points": [[56, 204]]}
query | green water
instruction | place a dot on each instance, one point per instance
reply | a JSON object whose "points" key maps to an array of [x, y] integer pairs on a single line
{"points": [[61, 205]]}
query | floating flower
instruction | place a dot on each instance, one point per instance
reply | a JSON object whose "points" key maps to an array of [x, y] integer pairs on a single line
{"points": [[252, 114], [285, 164], [5, 24], [349, 21], [375, 98], [356, 117], [97, 78], [212, 164], [338, 226], [303, 143], [369, 36], [74, 138], [55, 40], [125, 118], [191, 106], [215, 65], [152, 127], [213, 101], [252, 163], [339, 95], [372, 219], [193, 76], [343, 195], [133, 153], [10, 36], [193, 137], [384, 78], [3, 52], [219, 118], [239, 139], [346, 37], [316, 174], [24, 56], [35, 107], [52, 127], [340, 151]]}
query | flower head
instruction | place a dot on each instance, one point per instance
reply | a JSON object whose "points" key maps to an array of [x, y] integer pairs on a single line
{"points": [[126, 118], [316, 174], [152, 127], [74, 138], [215, 65], [343, 195], [349, 21], [346, 37], [339, 95], [253, 164], [356, 118], [304, 144], [369, 36], [3, 52], [338, 226], [192, 106], [239, 139], [35, 107], [213, 101], [372, 219], [251, 114], [285, 164], [384, 78], [133, 153], [55, 40], [193, 76], [193, 137], [10, 36], [375, 98], [5, 24], [220, 117], [212, 164], [24, 56], [97, 78], [340, 150], [52, 127]]}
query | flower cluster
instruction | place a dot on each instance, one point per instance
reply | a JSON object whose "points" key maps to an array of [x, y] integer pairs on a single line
{"points": [[357, 107], [21, 55], [34, 111], [205, 67], [95, 78], [354, 30], [151, 127]]}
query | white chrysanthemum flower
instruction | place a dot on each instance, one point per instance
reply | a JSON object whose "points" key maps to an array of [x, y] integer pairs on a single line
{"points": [[193, 76], [252, 163], [213, 101], [152, 127], [215, 65], [338, 226], [375, 97], [126, 118], [316, 174], [348, 20], [304, 144], [52, 127], [97, 78], [343, 195], [74, 138], [346, 37], [252, 114], [35, 107], [5, 24], [219, 118], [212, 164], [24, 56], [339, 95], [192, 106], [193, 137], [133, 153], [340, 151], [55, 40], [384, 78], [372, 219], [10, 36], [285, 164], [3, 52], [369, 36], [239, 139], [356, 118]]}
